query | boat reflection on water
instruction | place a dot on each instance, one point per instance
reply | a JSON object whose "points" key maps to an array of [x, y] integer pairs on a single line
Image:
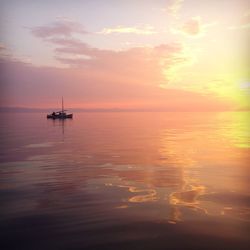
{"points": [[60, 126]]}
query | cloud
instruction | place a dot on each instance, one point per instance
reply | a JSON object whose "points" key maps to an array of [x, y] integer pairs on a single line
{"points": [[95, 77], [5, 52], [175, 7], [60, 27], [193, 27], [26, 85], [142, 65], [2, 47], [137, 65], [101, 77], [244, 22], [143, 30], [69, 45]]}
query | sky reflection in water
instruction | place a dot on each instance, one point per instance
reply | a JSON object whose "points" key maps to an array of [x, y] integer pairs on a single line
{"points": [[107, 169]]}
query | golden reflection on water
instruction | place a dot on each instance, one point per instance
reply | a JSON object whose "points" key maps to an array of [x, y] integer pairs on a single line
{"points": [[208, 156], [102, 170], [188, 198], [188, 164], [150, 196], [191, 150], [237, 131]]}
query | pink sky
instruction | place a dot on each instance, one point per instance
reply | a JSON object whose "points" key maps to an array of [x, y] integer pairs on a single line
{"points": [[169, 55]]}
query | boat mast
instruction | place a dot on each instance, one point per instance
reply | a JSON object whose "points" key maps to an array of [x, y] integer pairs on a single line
{"points": [[62, 105]]}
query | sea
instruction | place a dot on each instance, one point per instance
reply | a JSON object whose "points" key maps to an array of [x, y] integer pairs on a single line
{"points": [[125, 180]]}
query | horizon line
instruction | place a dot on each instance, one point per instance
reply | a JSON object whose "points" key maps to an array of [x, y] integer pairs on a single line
{"points": [[6, 109]]}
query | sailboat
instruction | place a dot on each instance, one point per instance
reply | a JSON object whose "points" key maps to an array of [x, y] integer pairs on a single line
{"points": [[60, 114]]}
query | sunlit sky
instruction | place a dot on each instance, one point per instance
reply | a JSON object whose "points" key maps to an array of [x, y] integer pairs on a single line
{"points": [[150, 55]]}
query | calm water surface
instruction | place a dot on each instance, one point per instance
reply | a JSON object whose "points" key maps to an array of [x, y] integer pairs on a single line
{"points": [[125, 181]]}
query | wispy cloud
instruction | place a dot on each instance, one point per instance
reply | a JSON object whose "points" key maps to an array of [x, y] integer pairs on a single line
{"points": [[193, 27], [139, 30], [5, 52], [139, 64], [244, 22], [60, 27], [2, 47], [175, 7]]}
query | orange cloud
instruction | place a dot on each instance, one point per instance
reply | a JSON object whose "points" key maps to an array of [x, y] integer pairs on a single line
{"points": [[244, 22], [192, 27]]}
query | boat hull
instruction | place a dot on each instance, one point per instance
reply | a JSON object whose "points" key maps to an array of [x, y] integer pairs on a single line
{"points": [[60, 116]]}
